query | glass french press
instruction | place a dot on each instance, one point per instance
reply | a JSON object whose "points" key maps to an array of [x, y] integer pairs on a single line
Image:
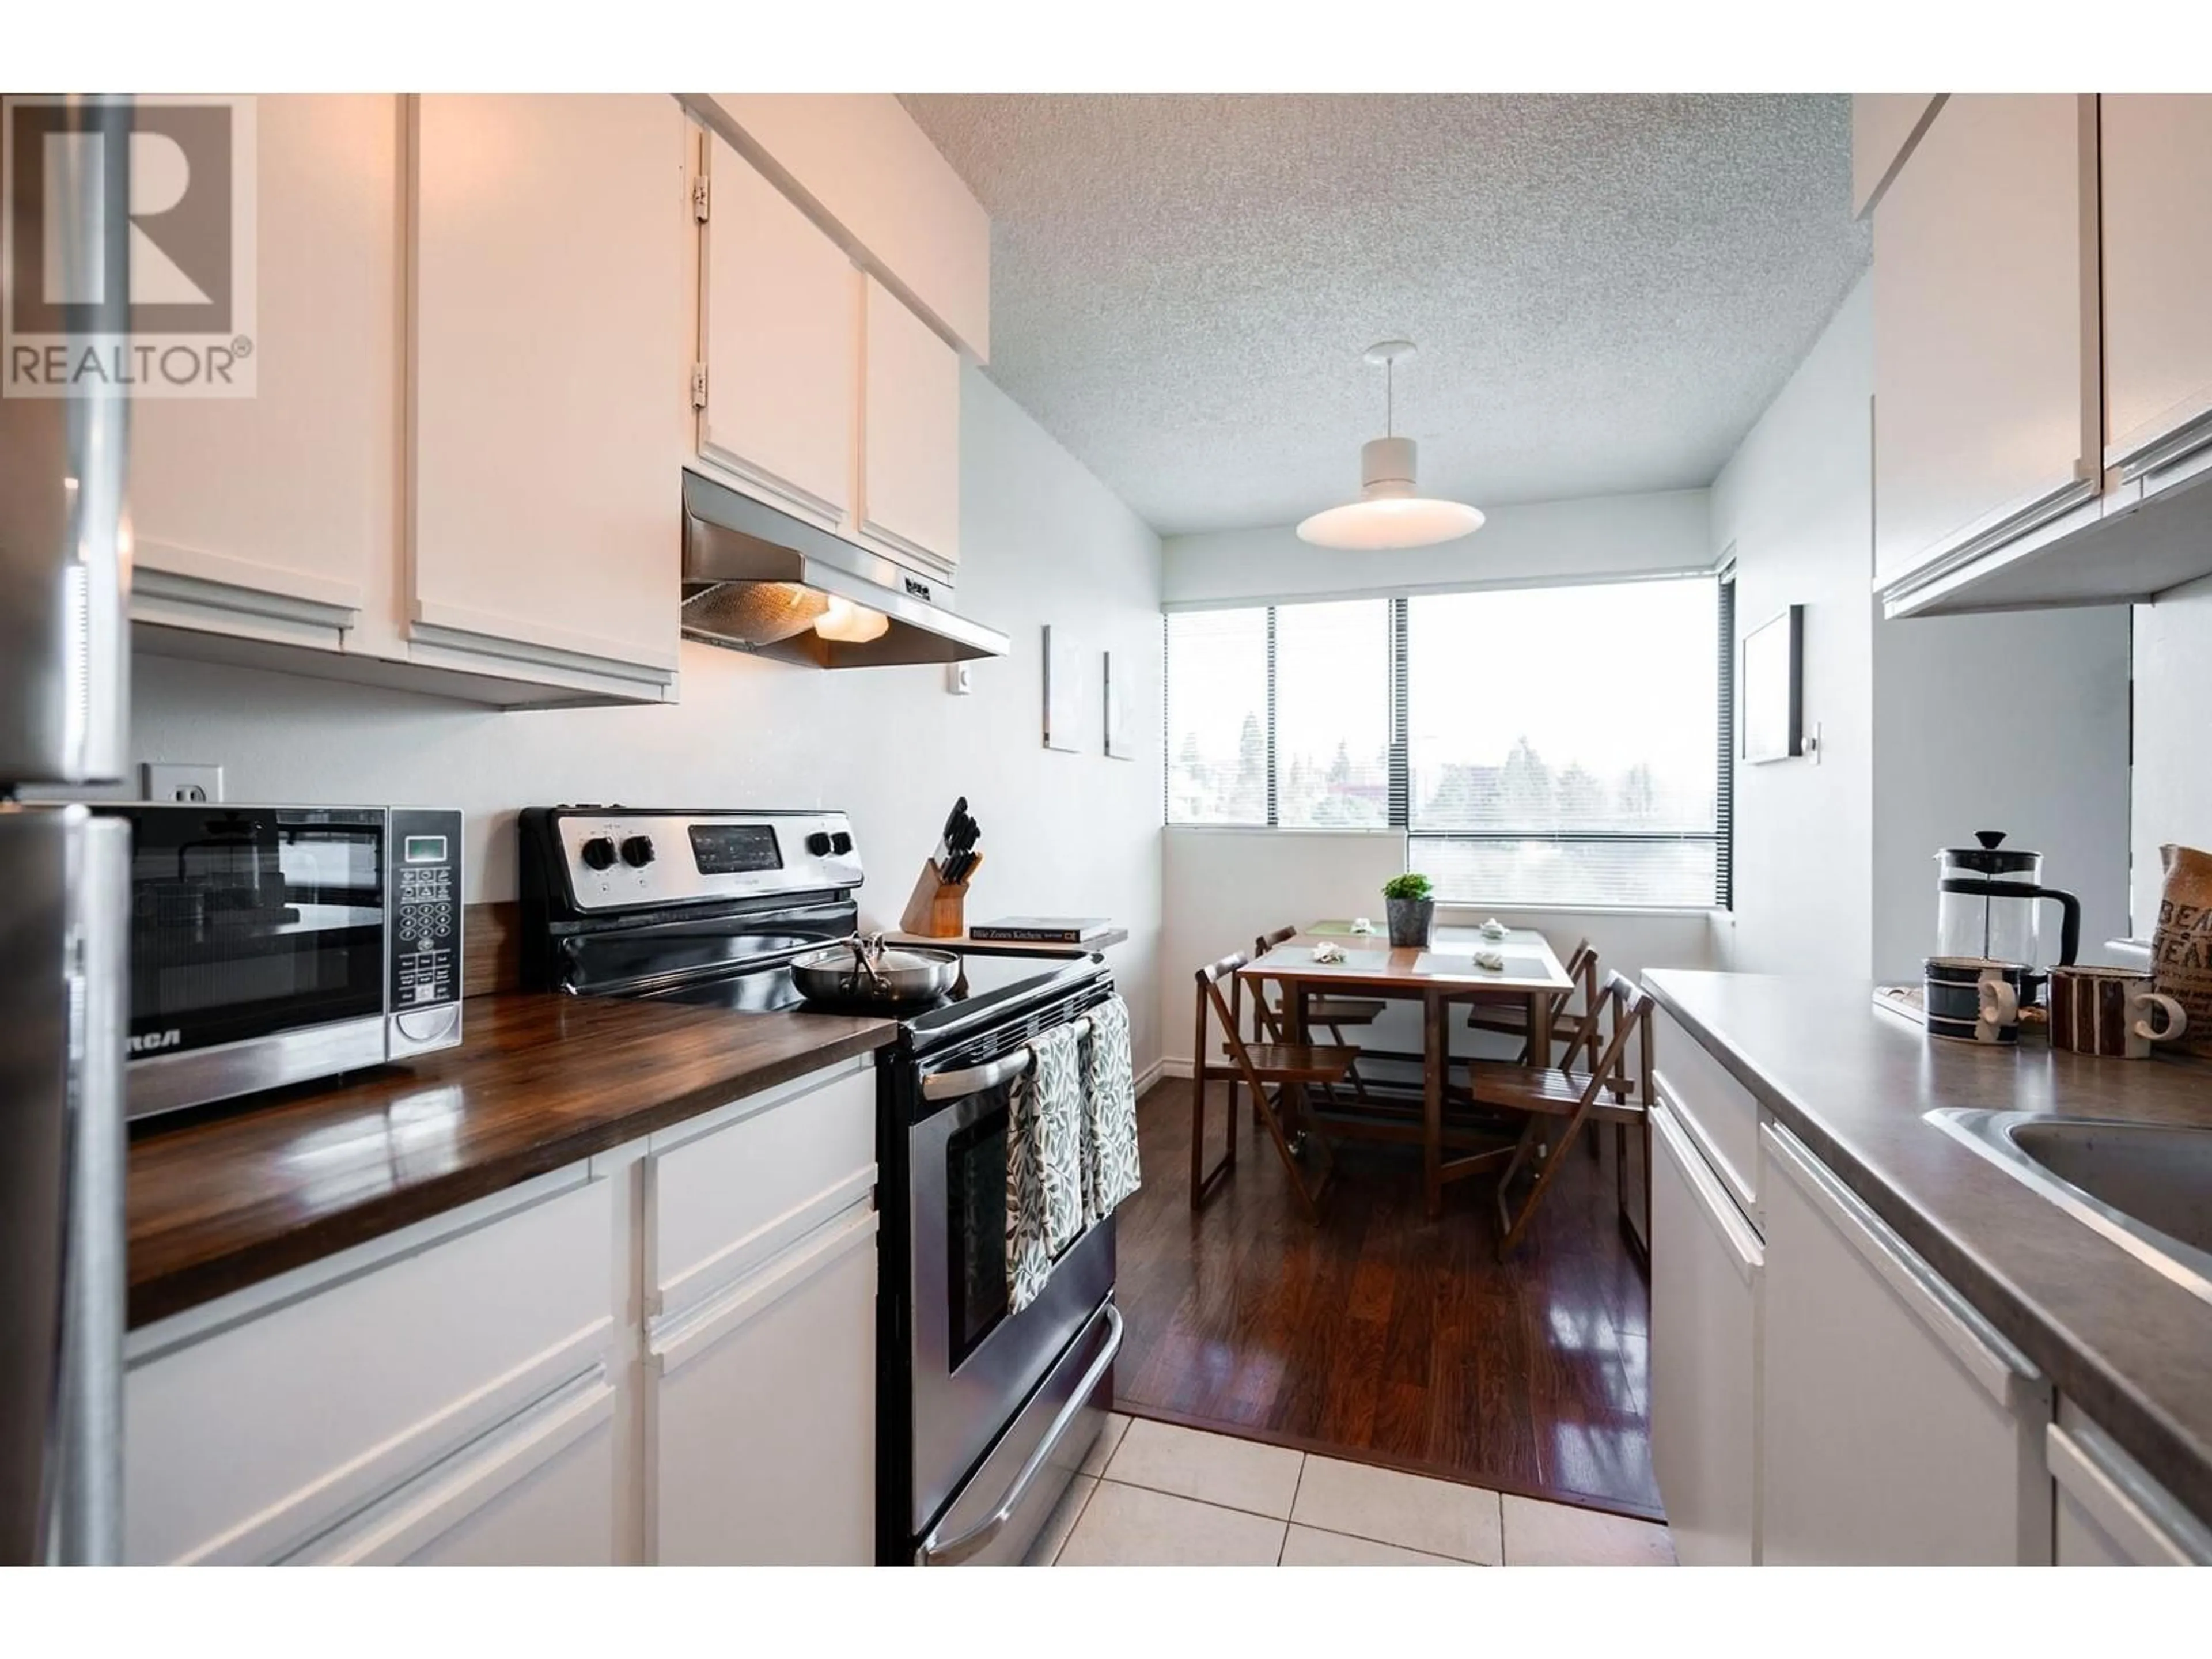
{"points": [[1986, 899]]}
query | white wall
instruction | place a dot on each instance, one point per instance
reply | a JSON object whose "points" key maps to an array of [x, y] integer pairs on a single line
{"points": [[1224, 887], [1930, 728], [2173, 738], [2016, 721], [1042, 541], [1795, 501], [1599, 537]]}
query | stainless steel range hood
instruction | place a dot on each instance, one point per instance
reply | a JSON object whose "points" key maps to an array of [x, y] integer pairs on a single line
{"points": [[757, 580]]}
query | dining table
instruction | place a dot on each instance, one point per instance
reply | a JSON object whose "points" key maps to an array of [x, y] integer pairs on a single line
{"points": [[1440, 975]]}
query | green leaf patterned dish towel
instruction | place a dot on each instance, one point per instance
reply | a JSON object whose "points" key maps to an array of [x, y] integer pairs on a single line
{"points": [[1044, 1164], [1109, 1112]]}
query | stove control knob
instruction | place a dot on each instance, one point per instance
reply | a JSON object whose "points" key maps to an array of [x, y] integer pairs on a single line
{"points": [[840, 843], [819, 844], [599, 853], [637, 851]]}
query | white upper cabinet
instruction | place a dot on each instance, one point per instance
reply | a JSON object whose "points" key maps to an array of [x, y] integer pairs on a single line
{"points": [[2043, 363], [819, 389], [1885, 126], [910, 436], [551, 262], [1987, 417], [881, 187], [780, 325], [2157, 267], [276, 516]]}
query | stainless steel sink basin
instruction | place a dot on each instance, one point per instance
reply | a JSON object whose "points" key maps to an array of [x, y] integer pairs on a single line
{"points": [[2146, 1187]]}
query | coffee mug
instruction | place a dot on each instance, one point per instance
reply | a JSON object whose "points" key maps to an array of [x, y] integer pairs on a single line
{"points": [[2108, 1012], [1973, 998]]}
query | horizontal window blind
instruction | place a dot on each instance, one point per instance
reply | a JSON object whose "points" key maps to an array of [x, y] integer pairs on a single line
{"points": [[1561, 744], [1217, 715], [1332, 680]]}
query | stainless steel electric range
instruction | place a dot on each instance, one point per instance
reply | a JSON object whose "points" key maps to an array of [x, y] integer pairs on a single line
{"points": [[982, 1415]]}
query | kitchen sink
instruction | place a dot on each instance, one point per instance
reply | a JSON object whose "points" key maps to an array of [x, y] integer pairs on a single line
{"points": [[2146, 1187]]}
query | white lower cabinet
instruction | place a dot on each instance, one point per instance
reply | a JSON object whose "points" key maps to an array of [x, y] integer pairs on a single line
{"points": [[536, 1491], [254, 1429], [2108, 1511], [1819, 1395], [1897, 1425], [1706, 1263], [667, 1353], [762, 1434]]}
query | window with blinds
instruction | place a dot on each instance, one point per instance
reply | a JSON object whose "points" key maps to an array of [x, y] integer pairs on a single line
{"points": [[1561, 744], [1217, 717], [1566, 745], [1333, 716]]}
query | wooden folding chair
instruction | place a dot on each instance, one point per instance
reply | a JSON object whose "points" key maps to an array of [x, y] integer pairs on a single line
{"points": [[1575, 1027], [1605, 1093], [1261, 1068], [1330, 1014]]}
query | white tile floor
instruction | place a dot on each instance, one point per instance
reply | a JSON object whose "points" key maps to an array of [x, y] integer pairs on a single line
{"points": [[1152, 1494]]}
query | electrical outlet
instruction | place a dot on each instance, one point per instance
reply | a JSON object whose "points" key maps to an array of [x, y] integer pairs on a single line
{"points": [[957, 678], [182, 782]]}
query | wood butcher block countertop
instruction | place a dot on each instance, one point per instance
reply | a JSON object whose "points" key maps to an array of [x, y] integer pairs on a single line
{"points": [[2127, 1346], [222, 1200]]}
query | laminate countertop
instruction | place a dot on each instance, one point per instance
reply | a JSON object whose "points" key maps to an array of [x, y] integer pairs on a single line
{"points": [[222, 1199], [2130, 1347]]}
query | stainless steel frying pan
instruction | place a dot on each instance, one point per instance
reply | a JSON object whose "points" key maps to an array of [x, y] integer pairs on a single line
{"points": [[866, 973]]}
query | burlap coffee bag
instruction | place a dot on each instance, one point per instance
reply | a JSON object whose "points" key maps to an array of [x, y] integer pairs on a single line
{"points": [[2181, 949]]}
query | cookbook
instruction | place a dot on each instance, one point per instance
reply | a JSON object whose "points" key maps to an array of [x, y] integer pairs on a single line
{"points": [[1042, 930]]}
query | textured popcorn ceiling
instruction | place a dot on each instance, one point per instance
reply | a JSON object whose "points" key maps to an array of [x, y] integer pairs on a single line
{"points": [[1605, 291]]}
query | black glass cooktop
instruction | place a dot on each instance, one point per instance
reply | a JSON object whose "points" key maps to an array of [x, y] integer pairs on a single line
{"points": [[986, 982]]}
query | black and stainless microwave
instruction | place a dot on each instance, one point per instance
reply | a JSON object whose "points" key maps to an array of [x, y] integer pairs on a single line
{"points": [[275, 944]]}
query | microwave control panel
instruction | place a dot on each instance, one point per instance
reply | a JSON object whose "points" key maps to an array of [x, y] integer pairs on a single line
{"points": [[424, 864]]}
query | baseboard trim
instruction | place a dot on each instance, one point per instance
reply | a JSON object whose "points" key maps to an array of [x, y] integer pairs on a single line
{"points": [[1153, 1073], [1170, 1065]]}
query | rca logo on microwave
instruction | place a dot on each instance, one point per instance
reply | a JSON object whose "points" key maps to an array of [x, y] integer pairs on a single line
{"points": [[127, 246], [152, 1042]]}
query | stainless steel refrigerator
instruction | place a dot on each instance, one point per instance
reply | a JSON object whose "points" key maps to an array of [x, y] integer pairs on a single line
{"points": [[64, 663]]}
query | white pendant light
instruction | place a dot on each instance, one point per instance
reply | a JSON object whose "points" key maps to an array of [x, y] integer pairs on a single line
{"points": [[1388, 513], [851, 624]]}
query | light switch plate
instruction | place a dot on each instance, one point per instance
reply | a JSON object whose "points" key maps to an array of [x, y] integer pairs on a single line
{"points": [[180, 780], [957, 678]]}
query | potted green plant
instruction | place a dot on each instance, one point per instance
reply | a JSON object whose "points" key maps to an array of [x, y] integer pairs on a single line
{"points": [[1410, 902]]}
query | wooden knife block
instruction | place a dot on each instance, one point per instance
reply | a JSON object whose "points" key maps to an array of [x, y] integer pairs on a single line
{"points": [[938, 907]]}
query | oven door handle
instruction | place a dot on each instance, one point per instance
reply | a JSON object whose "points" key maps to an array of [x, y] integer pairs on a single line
{"points": [[950, 1552], [951, 1085]]}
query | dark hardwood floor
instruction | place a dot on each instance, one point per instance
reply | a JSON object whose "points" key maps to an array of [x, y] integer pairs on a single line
{"points": [[1383, 1336]]}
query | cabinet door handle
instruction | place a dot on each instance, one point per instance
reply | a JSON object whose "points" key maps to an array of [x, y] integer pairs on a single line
{"points": [[1992, 1361], [1744, 1244], [2124, 1500], [669, 1343]]}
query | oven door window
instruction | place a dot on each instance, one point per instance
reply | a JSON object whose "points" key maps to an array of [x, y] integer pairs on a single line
{"points": [[976, 1214], [249, 921]]}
